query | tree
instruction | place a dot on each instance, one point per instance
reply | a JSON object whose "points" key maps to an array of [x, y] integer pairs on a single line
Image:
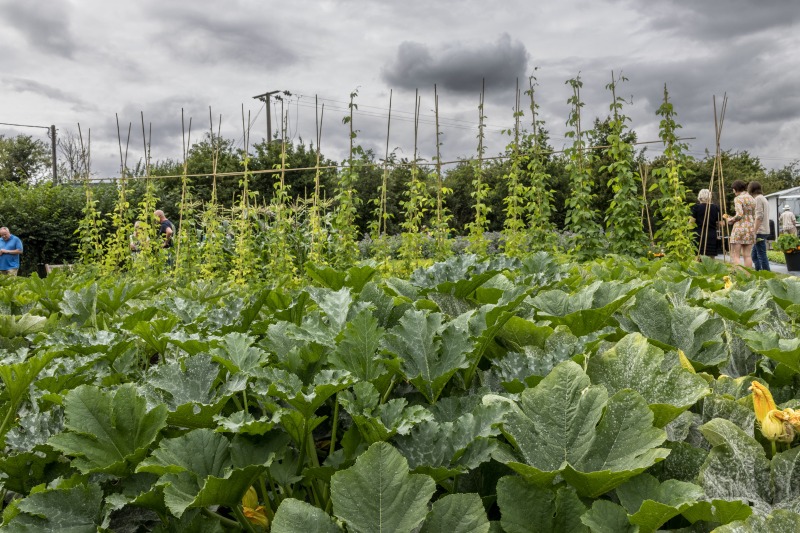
{"points": [[23, 159], [784, 178], [70, 156]]}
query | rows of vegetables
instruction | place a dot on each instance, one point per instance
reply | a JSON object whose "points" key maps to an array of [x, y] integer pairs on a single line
{"points": [[507, 395]]}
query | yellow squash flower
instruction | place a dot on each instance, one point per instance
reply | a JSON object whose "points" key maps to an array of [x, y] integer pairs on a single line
{"points": [[776, 425], [762, 400], [252, 511]]}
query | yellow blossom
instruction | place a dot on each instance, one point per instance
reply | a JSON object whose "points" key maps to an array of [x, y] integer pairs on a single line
{"points": [[762, 401], [728, 282], [775, 427], [252, 511]]}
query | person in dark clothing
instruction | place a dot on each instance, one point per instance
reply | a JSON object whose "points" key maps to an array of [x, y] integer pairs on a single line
{"points": [[166, 229], [706, 217]]}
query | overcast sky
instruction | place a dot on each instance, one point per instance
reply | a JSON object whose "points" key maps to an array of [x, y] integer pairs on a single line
{"points": [[83, 61]]}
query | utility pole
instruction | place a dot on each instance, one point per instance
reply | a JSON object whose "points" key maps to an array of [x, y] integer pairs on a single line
{"points": [[265, 98], [53, 144]]}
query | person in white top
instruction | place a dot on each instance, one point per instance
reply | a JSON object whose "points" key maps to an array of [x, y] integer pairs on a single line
{"points": [[788, 222], [759, 253]]}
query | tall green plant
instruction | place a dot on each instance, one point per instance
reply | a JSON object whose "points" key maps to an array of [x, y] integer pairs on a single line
{"points": [[624, 214], [344, 247], [90, 228], [540, 196], [186, 241], [477, 243], [281, 266], [212, 246], [117, 253], [441, 223], [416, 206], [673, 213], [90, 231], [243, 264], [515, 200], [582, 217], [317, 234]]}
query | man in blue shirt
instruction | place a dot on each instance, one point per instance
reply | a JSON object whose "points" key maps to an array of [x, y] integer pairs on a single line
{"points": [[10, 250]]}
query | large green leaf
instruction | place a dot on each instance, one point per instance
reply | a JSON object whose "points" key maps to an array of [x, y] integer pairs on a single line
{"points": [[634, 363], [237, 353], [21, 326], [380, 421], [335, 305], [651, 504], [560, 427], [377, 494], [108, 431], [587, 310], [775, 522], [203, 468], [305, 399], [526, 508], [71, 510], [769, 344], [17, 378], [459, 437], [785, 291], [691, 329], [294, 516], [357, 352], [457, 513], [607, 517], [736, 468], [608, 462], [555, 422], [80, 306], [429, 351], [187, 389], [747, 308]]}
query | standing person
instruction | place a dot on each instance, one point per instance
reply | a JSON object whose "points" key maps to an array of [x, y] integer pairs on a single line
{"points": [[759, 253], [166, 229], [743, 234], [706, 217], [788, 222], [10, 250]]}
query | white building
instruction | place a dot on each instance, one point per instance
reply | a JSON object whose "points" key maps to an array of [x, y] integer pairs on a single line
{"points": [[777, 200]]}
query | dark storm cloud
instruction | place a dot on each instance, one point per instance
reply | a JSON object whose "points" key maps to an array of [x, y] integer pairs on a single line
{"points": [[762, 96], [718, 19], [45, 27], [162, 126], [459, 67], [236, 37], [32, 86]]}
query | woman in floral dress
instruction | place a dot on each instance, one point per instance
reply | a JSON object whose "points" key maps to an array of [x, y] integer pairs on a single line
{"points": [[743, 234]]}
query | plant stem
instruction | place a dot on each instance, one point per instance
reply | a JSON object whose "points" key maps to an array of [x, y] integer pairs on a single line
{"points": [[11, 409], [245, 523], [389, 390], [332, 447], [265, 498], [222, 520], [303, 445]]}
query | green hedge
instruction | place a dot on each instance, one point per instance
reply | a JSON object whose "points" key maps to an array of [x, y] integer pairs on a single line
{"points": [[45, 218]]}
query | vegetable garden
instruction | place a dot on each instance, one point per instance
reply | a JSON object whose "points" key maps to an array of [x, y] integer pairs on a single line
{"points": [[271, 381], [500, 395]]}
